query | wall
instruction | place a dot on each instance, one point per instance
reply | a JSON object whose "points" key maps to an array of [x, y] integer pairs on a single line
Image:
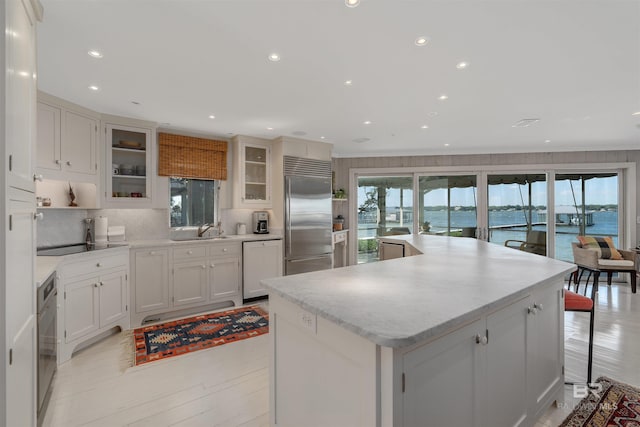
{"points": [[342, 167]]}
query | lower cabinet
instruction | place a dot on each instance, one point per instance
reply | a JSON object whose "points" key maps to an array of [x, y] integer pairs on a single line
{"points": [[178, 277], [506, 367], [95, 297]]}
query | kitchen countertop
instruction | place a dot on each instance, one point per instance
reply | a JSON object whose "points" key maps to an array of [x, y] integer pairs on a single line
{"points": [[228, 238], [399, 302], [45, 265]]}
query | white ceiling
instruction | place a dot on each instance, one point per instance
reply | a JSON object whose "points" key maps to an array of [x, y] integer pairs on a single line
{"points": [[573, 64]]}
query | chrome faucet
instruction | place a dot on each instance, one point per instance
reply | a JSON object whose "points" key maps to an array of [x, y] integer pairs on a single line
{"points": [[203, 229]]}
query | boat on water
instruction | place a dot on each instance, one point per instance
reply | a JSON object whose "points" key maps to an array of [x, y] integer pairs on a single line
{"points": [[569, 216]]}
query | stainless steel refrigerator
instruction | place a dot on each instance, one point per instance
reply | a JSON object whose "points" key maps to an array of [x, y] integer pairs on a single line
{"points": [[307, 215]]}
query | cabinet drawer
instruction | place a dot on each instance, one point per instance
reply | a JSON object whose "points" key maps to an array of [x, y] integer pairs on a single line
{"points": [[224, 249], [94, 265], [339, 237], [189, 252]]}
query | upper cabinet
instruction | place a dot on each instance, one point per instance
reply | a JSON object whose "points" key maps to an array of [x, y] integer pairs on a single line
{"points": [[67, 147], [129, 163], [252, 173]]}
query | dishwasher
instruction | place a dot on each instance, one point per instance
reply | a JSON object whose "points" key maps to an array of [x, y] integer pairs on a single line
{"points": [[47, 341]]}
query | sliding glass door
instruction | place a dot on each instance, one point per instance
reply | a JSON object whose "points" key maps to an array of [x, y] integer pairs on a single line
{"points": [[385, 207], [447, 205], [516, 211], [585, 204]]}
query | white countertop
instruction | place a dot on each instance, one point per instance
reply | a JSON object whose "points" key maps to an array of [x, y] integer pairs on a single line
{"points": [[228, 238], [45, 266], [399, 302]]}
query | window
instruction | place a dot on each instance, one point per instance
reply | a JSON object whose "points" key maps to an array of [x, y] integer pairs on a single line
{"points": [[192, 202]]}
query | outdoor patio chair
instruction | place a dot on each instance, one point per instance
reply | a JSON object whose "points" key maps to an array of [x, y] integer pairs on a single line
{"points": [[591, 260], [536, 243]]}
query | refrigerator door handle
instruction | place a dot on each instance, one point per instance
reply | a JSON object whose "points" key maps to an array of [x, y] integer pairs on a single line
{"points": [[292, 261], [288, 216]]}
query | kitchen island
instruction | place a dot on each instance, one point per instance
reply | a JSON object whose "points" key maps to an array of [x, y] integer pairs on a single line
{"points": [[463, 333]]}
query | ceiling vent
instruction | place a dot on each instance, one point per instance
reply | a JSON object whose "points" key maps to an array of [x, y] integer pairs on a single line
{"points": [[525, 123]]}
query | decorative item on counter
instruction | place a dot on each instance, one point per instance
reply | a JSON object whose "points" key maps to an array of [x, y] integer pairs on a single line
{"points": [[340, 194], [100, 228], [46, 201], [87, 238], [39, 202], [338, 223], [241, 228], [116, 233], [72, 197]]}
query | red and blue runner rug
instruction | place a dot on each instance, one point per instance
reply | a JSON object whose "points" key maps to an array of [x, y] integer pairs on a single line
{"points": [[196, 333]]}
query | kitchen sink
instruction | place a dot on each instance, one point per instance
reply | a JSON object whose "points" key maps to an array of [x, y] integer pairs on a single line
{"points": [[186, 238]]}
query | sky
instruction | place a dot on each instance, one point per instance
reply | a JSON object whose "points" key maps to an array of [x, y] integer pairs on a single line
{"points": [[601, 191]]}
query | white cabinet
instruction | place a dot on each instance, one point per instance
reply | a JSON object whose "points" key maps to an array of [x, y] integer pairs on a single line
{"points": [[129, 165], [95, 297], [260, 260], [67, 140], [176, 277], [252, 173]]}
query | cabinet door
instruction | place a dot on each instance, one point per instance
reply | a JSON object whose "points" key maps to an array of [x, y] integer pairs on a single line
{"points": [[20, 94], [81, 308], [224, 279], [190, 282], [150, 279], [128, 166], [506, 390], [113, 297], [443, 380], [21, 379], [545, 347], [79, 143], [254, 178], [260, 260], [48, 146]]}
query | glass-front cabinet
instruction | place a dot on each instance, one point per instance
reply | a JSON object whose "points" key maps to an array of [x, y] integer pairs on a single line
{"points": [[128, 171], [254, 177]]}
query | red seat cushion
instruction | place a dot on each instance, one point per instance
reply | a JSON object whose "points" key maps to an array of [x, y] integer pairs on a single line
{"points": [[575, 302]]}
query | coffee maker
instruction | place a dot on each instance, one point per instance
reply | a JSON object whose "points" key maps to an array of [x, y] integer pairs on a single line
{"points": [[261, 222]]}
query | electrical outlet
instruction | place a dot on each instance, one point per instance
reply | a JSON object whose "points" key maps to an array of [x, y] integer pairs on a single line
{"points": [[308, 320]]}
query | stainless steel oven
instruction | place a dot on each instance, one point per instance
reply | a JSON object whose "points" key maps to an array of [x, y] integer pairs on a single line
{"points": [[47, 341]]}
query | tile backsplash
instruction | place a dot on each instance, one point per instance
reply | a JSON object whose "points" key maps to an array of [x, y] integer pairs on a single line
{"points": [[140, 224], [61, 227]]}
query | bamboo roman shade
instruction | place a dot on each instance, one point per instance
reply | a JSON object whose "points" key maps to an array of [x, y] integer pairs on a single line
{"points": [[190, 157]]}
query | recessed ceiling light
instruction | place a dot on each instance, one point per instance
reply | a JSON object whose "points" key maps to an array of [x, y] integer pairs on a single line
{"points": [[322, 137], [637, 113], [94, 88], [269, 128], [424, 127], [274, 57], [446, 145], [421, 41], [95, 54], [367, 122], [24, 73], [462, 65], [443, 97], [352, 3], [212, 116], [546, 141], [348, 82]]}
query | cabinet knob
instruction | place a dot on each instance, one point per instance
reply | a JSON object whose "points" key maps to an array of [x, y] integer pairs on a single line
{"points": [[99, 264], [38, 216], [189, 252], [58, 161], [37, 177], [538, 306], [213, 265], [101, 284], [532, 310], [95, 285], [152, 253], [68, 163], [203, 266], [481, 339], [225, 250]]}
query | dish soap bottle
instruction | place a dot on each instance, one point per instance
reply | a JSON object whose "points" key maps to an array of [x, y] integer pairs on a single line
{"points": [[88, 238]]}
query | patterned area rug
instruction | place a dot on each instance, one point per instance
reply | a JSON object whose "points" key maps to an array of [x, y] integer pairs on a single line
{"points": [[196, 333], [614, 404]]}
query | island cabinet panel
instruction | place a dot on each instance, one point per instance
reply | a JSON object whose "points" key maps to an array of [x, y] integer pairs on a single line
{"points": [[326, 375]]}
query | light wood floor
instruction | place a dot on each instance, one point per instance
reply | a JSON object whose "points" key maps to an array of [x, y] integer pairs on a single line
{"points": [[228, 385]]}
